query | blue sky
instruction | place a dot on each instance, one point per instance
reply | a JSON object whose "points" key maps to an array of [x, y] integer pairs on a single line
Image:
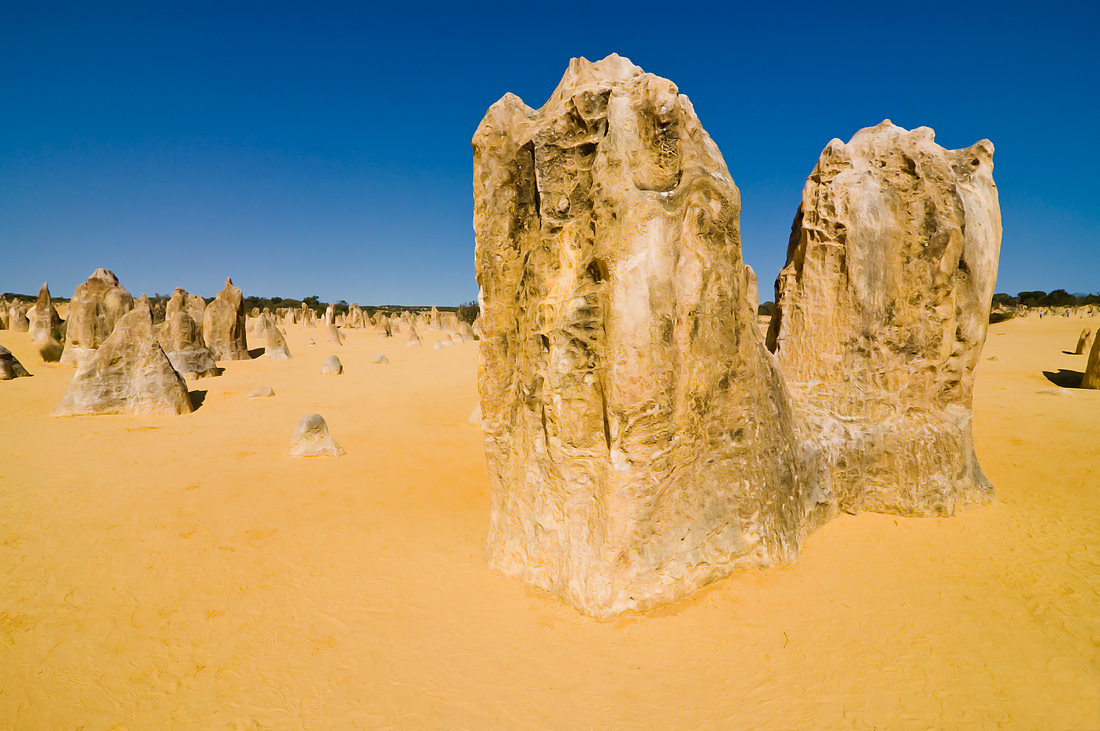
{"points": [[324, 148]]}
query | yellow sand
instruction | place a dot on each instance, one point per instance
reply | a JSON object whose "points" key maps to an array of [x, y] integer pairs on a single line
{"points": [[183, 573]]}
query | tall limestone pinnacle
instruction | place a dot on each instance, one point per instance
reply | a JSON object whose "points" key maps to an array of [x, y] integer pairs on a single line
{"points": [[882, 308], [639, 436], [641, 439]]}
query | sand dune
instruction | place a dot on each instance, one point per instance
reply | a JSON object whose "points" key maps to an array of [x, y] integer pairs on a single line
{"points": [[183, 572]]}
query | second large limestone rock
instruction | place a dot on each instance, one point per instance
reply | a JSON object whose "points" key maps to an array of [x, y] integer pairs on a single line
{"points": [[223, 325]]}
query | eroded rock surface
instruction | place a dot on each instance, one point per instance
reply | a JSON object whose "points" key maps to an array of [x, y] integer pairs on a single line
{"points": [[224, 325], [639, 437], [1084, 342], [128, 374], [1091, 378], [332, 366], [45, 319], [881, 314], [181, 338], [96, 307]]}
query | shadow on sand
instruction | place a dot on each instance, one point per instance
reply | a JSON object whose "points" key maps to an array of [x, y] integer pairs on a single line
{"points": [[1064, 378], [197, 397]]}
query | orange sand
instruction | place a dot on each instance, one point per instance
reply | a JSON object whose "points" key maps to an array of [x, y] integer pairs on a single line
{"points": [[183, 573]]}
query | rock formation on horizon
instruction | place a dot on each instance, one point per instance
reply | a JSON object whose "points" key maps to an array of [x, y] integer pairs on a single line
{"points": [[44, 320], [224, 325], [95, 308], [10, 367], [128, 374], [641, 439]]}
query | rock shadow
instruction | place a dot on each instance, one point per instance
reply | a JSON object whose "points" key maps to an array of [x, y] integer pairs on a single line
{"points": [[1065, 378], [197, 398], [256, 352]]}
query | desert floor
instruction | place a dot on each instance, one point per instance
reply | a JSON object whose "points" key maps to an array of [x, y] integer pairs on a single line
{"points": [[184, 573]]}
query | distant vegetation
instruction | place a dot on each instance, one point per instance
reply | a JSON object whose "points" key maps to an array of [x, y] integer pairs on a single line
{"points": [[1057, 298]]}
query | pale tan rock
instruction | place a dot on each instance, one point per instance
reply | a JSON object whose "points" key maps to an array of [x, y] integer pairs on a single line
{"points": [[380, 359], [639, 438], [881, 314], [262, 392], [1084, 342], [224, 325], [10, 367], [5, 315], [96, 307], [332, 366], [1091, 378], [128, 374], [333, 336], [311, 439], [275, 346], [45, 320], [17, 317], [181, 339], [475, 417]]}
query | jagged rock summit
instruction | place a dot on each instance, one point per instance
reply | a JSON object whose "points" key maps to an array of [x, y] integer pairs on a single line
{"points": [[44, 319], [96, 307], [128, 374], [641, 439]]}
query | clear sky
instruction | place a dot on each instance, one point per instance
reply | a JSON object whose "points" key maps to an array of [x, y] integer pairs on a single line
{"points": [[324, 148]]}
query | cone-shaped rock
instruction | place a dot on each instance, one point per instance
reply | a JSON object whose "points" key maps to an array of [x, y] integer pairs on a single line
{"points": [[1084, 342], [223, 325], [333, 336], [181, 338], [17, 317], [311, 439], [640, 441], [10, 367], [96, 306], [274, 341], [45, 318], [881, 314], [128, 374]]}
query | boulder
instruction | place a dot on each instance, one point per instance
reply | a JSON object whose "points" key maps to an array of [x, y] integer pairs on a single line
{"points": [[10, 367], [223, 325], [181, 339], [96, 307], [311, 439], [45, 320], [128, 374], [262, 392], [380, 359], [881, 314], [639, 439], [332, 366]]}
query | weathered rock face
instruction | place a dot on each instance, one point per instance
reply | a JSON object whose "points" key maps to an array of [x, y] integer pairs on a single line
{"points": [[223, 325], [881, 314], [45, 318], [1092, 368], [5, 316], [17, 317], [311, 439], [1084, 342], [333, 336], [128, 374], [96, 306], [639, 437], [10, 367], [181, 339], [274, 342]]}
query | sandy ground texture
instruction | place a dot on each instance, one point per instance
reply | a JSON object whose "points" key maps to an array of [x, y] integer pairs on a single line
{"points": [[185, 573]]}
